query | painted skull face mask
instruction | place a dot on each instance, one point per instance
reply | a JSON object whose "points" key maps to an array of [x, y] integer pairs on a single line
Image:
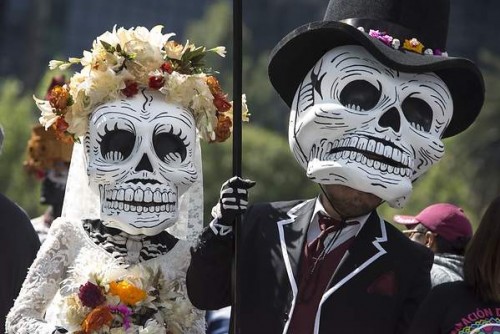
{"points": [[358, 123], [140, 160]]}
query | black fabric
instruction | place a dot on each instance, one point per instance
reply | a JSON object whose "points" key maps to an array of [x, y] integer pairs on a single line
{"points": [[114, 240], [265, 292], [20, 244], [454, 308], [426, 20]]}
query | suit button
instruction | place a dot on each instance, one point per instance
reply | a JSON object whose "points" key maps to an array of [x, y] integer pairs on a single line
{"points": [[285, 317]]}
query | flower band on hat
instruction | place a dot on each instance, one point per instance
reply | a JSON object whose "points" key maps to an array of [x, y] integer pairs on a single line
{"points": [[411, 44], [124, 60]]}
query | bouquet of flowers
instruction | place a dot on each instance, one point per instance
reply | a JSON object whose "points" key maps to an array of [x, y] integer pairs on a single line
{"points": [[123, 301]]}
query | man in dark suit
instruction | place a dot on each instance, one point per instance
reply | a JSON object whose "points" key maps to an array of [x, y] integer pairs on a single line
{"points": [[371, 94], [19, 245]]}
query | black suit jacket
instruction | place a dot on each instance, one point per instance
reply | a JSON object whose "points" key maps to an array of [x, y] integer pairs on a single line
{"points": [[19, 244], [376, 289]]}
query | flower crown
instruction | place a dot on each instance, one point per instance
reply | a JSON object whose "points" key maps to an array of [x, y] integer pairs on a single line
{"points": [[122, 61]]}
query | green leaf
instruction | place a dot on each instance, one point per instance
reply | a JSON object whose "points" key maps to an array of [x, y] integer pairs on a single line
{"points": [[108, 47]]}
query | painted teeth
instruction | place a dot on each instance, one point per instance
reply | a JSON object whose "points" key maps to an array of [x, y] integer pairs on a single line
{"points": [[129, 200], [364, 144], [170, 207], [139, 195]]}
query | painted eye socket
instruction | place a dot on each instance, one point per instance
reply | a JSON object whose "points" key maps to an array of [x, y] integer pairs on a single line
{"points": [[418, 113], [360, 95], [169, 147], [116, 145]]}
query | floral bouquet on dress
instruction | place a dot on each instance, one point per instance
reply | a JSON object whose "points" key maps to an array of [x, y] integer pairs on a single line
{"points": [[122, 301]]}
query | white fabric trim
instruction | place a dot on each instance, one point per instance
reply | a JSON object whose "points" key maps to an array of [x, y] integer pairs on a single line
{"points": [[329, 292]]}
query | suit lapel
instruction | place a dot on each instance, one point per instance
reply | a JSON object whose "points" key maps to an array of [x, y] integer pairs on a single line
{"points": [[292, 233], [365, 250]]}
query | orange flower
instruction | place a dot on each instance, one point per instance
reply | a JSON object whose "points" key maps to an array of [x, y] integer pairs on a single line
{"points": [[413, 45], [223, 129], [97, 318], [59, 98], [213, 85], [128, 293]]}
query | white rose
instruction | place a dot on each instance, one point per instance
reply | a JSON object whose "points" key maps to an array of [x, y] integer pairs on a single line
{"points": [[174, 50]]}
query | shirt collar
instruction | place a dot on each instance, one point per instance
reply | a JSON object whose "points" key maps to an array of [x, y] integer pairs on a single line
{"points": [[318, 207]]}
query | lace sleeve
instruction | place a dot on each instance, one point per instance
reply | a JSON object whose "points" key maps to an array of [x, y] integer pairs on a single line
{"points": [[42, 282]]}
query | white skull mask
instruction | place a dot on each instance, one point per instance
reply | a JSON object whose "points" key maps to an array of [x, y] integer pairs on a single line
{"points": [[358, 123], [140, 159]]}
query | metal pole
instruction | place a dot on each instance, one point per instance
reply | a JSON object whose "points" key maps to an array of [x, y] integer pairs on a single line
{"points": [[237, 92]]}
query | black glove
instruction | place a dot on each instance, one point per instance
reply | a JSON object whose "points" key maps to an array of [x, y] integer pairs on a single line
{"points": [[233, 200]]}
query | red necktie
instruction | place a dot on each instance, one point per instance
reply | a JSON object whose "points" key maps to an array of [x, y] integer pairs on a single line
{"points": [[327, 225], [315, 254]]}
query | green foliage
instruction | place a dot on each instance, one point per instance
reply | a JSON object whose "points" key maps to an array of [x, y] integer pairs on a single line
{"points": [[264, 104], [480, 145], [447, 181], [266, 159], [16, 118]]}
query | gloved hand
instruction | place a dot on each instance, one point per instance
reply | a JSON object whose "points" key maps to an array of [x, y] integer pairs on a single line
{"points": [[233, 201]]}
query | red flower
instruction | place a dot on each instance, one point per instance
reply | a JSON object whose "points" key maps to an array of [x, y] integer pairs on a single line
{"points": [[91, 295], [167, 67], [156, 82], [130, 88], [221, 102], [60, 125]]}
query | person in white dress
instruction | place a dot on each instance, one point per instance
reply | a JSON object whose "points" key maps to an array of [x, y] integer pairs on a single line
{"points": [[115, 261]]}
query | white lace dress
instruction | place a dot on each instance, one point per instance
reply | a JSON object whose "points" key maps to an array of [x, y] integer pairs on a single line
{"points": [[64, 261]]}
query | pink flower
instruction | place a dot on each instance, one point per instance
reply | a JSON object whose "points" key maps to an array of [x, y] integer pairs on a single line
{"points": [[91, 295], [375, 33], [386, 39], [125, 314], [381, 36]]}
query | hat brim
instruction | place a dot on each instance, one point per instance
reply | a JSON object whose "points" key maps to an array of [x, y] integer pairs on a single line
{"points": [[299, 51], [405, 220]]}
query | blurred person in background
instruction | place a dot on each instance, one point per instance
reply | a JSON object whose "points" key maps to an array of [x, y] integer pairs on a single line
{"points": [[19, 245], [445, 229], [48, 160], [473, 305]]}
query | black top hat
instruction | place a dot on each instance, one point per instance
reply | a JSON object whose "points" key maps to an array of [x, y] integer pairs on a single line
{"points": [[425, 20]]}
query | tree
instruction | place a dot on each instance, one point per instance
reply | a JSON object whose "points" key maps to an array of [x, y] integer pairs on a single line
{"points": [[267, 109], [266, 159], [16, 117]]}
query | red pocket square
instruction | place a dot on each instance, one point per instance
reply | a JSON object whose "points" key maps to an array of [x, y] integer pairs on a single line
{"points": [[385, 284]]}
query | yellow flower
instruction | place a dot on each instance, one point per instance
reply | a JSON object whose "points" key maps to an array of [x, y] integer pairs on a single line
{"points": [[128, 293], [413, 45]]}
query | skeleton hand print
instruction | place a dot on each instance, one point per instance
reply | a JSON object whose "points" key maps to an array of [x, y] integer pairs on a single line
{"points": [[140, 160], [358, 123]]}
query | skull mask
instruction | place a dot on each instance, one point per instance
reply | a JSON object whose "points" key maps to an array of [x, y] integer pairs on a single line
{"points": [[358, 123], [140, 160]]}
